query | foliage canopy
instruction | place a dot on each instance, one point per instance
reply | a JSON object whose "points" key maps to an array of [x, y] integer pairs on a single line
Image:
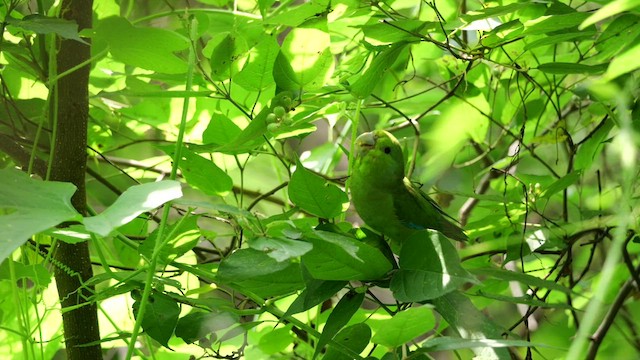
{"points": [[218, 157]]}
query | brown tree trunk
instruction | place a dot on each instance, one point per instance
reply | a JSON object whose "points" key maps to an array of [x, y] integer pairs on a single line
{"points": [[69, 161]]}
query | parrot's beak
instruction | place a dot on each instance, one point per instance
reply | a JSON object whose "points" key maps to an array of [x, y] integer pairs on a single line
{"points": [[365, 142]]}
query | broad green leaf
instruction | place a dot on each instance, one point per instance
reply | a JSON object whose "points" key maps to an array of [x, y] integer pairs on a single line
{"points": [[608, 44], [185, 234], [220, 131], [133, 202], [520, 277], [316, 292], [555, 39], [72, 234], [525, 299], [339, 317], [283, 74], [394, 31], [550, 23], [145, 47], [488, 12], [253, 135], [36, 273], [310, 59], [613, 8], [355, 337], [160, 317], [571, 68], [316, 195], [503, 33], [471, 324], [339, 257], [403, 327], [198, 324], [592, 146], [259, 273], [29, 206], [46, 25], [201, 173], [363, 87], [257, 74], [276, 340], [623, 63], [561, 184], [281, 249], [429, 268], [294, 16], [222, 58]]}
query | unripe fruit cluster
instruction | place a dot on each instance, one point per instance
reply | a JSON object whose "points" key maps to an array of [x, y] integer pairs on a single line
{"points": [[279, 114]]}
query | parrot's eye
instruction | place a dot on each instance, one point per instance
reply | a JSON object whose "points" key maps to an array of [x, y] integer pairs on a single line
{"points": [[387, 150]]}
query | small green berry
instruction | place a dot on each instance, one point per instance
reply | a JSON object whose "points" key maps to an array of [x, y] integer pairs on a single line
{"points": [[273, 127], [286, 119], [271, 118], [279, 111], [286, 102]]}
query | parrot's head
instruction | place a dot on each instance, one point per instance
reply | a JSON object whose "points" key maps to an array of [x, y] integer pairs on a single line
{"points": [[379, 155]]}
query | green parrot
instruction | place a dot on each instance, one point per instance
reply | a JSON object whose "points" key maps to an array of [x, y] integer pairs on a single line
{"points": [[385, 199]]}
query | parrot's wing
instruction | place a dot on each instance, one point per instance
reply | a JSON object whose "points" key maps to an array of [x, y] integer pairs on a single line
{"points": [[416, 210]]}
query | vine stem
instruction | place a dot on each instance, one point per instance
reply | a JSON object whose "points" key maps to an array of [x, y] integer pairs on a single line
{"points": [[160, 239]]}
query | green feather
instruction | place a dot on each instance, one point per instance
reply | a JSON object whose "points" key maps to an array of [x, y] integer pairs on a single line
{"points": [[385, 199]]}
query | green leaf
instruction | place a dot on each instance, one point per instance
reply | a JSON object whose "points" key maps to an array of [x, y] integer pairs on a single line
{"points": [[294, 16], [338, 257], [198, 324], [550, 23], [503, 33], [488, 12], [133, 202], [355, 337], [470, 323], [257, 74], [613, 8], [280, 249], [403, 327], [222, 58], [623, 63], [160, 317], [339, 317], [363, 87], [201, 173], [555, 39], [571, 68], [284, 76], [220, 131], [185, 234], [29, 206], [561, 184], [523, 278], [394, 31], [311, 60], [145, 47], [275, 341], [39, 24], [316, 292], [592, 146], [429, 268], [259, 273], [36, 273], [315, 194]]}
